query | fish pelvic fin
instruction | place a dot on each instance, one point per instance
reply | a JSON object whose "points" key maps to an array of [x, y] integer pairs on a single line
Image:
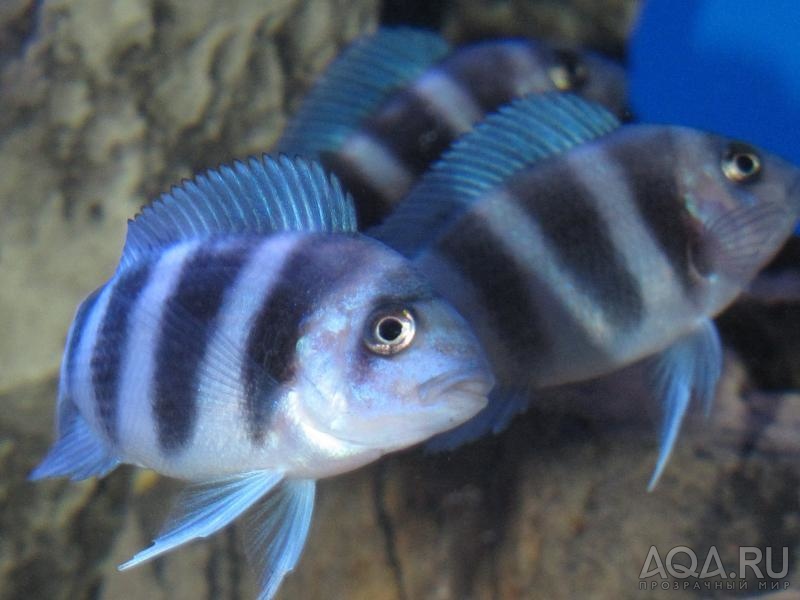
{"points": [[276, 531], [78, 453], [205, 508], [497, 415], [690, 367]]}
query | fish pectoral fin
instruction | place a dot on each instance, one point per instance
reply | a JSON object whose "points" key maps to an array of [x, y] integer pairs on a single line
{"points": [[691, 366], [356, 84], [276, 530], [743, 239], [203, 509], [502, 408], [78, 453]]}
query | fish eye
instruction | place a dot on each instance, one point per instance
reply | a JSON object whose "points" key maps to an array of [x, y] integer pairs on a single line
{"points": [[741, 163], [389, 332], [569, 72]]}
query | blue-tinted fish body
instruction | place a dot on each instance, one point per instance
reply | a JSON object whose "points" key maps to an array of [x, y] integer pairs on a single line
{"points": [[380, 151], [575, 246], [251, 342]]}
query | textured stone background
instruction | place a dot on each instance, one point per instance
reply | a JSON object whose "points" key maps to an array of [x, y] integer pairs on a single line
{"points": [[103, 104]]}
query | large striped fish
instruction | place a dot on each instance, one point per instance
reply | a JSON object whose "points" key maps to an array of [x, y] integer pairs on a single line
{"points": [[394, 101], [575, 246], [252, 343]]}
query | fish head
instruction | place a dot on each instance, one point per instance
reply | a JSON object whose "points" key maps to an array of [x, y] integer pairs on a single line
{"points": [[741, 204], [591, 76], [388, 362]]}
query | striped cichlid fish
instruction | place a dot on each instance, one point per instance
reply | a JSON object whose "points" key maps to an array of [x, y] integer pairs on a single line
{"points": [[575, 246], [251, 342], [393, 102]]}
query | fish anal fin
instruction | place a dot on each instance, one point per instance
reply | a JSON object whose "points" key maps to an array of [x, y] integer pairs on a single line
{"points": [[202, 509]]}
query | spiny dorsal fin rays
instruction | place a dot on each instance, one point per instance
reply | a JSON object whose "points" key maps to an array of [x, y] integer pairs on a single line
{"points": [[515, 138], [258, 196], [356, 84], [206, 508]]}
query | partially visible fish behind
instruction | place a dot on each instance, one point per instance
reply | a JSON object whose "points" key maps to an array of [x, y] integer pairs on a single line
{"points": [[251, 342], [380, 116], [576, 246]]}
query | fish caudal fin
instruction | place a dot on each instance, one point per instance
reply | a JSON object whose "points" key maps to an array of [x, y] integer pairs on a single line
{"points": [[78, 453], [276, 531], [356, 84], [205, 508], [499, 412], [690, 366]]}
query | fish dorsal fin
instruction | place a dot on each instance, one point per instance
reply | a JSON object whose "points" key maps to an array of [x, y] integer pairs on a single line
{"points": [[257, 196], [357, 83], [513, 139]]}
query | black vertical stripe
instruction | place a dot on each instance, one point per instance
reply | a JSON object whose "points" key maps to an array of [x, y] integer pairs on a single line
{"points": [[112, 335], [372, 205], [78, 327], [412, 130], [313, 269], [648, 161], [580, 239], [185, 332], [502, 285]]}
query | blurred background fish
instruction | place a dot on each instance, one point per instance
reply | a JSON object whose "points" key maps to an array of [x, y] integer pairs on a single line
{"points": [[387, 108]]}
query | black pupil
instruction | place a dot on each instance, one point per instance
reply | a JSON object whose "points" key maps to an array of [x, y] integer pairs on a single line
{"points": [[390, 329], [745, 163]]}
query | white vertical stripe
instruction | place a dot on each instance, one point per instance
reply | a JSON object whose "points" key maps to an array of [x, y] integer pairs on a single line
{"points": [[448, 99], [221, 422], [377, 165], [83, 389], [137, 431]]}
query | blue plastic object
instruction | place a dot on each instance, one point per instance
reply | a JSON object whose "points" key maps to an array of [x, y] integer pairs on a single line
{"points": [[728, 66]]}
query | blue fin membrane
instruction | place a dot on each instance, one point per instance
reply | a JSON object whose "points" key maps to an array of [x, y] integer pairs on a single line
{"points": [[276, 531], [513, 139], [691, 366], [258, 196], [499, 412], [78, 453], [206, 508], [356, 84]]}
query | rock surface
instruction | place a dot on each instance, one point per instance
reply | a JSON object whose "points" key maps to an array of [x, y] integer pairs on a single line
{"points": [[104, 103]]}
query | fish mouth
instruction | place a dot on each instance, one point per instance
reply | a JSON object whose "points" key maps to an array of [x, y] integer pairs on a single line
{"points": [[467, 387]]}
